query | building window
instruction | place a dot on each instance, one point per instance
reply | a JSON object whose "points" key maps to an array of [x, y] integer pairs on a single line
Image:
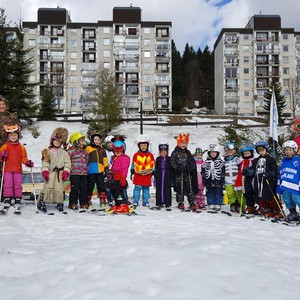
{"points": [[106, 42], [246, 48], [286, 71], [73, 43], [31, 43], [285, 36], [31, 54], [246, 93], [246, 82], [285, 48], [73, 55], [106, 65], [147, 42], [146, 77], [32, 31], [147, 54], [106, 53], [147, 30], [73, 102], [246, 70], [247, 104], [73, 32], [285, 59], [147, 66], [73, 78], [147, 89], [106, 29], [246, 37], [246, 59], [73, 90], [73, 67]]}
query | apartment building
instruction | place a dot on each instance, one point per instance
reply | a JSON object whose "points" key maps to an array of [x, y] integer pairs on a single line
{"points": [[247, 59], [68, 55]]}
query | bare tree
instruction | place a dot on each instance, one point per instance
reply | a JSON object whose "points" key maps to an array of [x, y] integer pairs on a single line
{"points": [[293, 90]]}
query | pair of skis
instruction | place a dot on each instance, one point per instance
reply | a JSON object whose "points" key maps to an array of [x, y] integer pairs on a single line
{"points": [[5, 208]]}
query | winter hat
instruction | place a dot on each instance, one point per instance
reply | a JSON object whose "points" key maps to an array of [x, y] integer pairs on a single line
{"points": [[183, 138], [118, 144], [163, 147], [59, 134], [198, 151], [12, 128], [93, 135]]}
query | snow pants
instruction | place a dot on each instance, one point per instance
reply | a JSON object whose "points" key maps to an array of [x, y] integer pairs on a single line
{"points": [[12, 185], [214, 195], [136, 194], [290, 199], [78, 190]]}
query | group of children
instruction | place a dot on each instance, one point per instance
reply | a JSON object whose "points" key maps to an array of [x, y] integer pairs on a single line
{"points": [[251, 183]]}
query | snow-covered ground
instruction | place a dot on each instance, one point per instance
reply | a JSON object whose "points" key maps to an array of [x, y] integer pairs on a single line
{"points": [[158, 255]]}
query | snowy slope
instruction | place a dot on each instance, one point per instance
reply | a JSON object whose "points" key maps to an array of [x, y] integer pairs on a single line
{"points": [[160, 255]]}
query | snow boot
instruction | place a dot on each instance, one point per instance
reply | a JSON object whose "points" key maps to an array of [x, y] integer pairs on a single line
{"points": [[42, 206], [250, 210], [73, 206], [60, 207], [18, 201], [181, 205], [269, 213], [102, 198], [193, 206], [7, 202]]}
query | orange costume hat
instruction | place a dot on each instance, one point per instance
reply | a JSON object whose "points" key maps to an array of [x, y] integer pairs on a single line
{"points": [[183, 138]]}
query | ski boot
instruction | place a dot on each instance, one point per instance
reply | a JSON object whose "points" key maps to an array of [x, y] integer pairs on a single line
{"points": [[102, 198], [218, 207], [60, 207], [41, 205], [181, 205], [293, 215], [73, 206], [7, 202], [121, 209], [193, 206], [250, 210], [269, 213]]}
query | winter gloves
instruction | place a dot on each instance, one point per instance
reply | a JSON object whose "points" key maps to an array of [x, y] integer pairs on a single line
{"points": [[65, 175], [45, 175], [29, 164]]}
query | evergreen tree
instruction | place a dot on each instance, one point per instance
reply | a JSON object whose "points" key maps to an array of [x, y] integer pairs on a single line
{"points": [[108, 107], [47, 107], [280, 100], [15, 70]]}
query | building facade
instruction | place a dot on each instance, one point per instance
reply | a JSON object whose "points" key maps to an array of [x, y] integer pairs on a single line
{"points": [[248, 59], [68, 55]]}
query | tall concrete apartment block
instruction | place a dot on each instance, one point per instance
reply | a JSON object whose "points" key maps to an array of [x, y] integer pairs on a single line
{"points": [[68, 55], [246, 60]]}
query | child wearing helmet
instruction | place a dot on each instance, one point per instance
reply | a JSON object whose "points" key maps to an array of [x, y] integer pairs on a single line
{"points": [[289, 179], [243, 185], [13, 154], [232, 160], [185, 173], [199, 198], [78, 176], [163, 178], [213, 174], [56, 166], [108, 146], [142, 167], [117, 182], [264, 170], [98, 167]]}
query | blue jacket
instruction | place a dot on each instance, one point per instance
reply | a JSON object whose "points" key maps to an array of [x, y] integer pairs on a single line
{"points": [[289, 175]]}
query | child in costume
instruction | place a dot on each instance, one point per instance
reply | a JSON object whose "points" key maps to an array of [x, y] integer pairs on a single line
{"points": [[142, 167], [199, 198], [108, 146], [13, 154], [117, 182], [98, 167], [289, 179], [56, 165], [243, 185], [232, 160], [185, 172], [163, 178], [264, 170], [78, 176], [213, 174]]}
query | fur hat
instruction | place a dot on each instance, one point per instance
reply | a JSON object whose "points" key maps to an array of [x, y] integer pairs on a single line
{"points": [[60, 134], [183, 138]]}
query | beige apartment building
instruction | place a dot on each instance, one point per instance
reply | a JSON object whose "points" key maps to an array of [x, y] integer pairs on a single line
{"points": [[246, 60], [68, 55]]}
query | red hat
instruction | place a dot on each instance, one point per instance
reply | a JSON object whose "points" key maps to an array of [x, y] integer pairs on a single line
{"points": [[183, 138]]}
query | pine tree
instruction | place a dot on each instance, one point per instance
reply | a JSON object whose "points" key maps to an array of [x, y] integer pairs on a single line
{"points": [[280, 100], [47, 107], [107, 111]]}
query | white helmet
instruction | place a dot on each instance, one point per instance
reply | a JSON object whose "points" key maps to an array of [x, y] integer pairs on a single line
{"points": [[108, 138], [290, 144], [142, 138], [213, 147]]}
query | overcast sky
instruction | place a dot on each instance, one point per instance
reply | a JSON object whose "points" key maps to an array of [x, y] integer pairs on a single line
{"points": [[196, 22]]}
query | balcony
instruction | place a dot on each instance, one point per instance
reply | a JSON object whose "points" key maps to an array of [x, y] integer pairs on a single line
{"points": [[51, 45], [262, 74], [231, 110], [162, 58], [231, 53], [231, 87], [232, 99]]}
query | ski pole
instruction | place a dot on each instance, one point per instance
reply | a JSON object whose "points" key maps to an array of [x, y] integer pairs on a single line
{"points": [[34, 194], [276, 198], [1, 188]]}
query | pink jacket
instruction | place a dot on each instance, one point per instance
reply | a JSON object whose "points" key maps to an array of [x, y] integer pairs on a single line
{"points": [[199, 164], [120, 164]]}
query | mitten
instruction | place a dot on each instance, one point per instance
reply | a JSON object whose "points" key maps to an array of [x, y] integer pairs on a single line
{"points": [[123, 181], [45, 175], [64, 175], [29, 164]]}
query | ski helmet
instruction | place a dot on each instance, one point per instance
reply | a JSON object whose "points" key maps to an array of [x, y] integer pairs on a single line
{"points": [[183, 138], [213, 147], [198, 151], [118, 144], [142, 138], [75, 137], [261, 144], [247, 147], [290, 144], [163, 147], [229, 146], [12, 128], [93, 135], [108, 139]]}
